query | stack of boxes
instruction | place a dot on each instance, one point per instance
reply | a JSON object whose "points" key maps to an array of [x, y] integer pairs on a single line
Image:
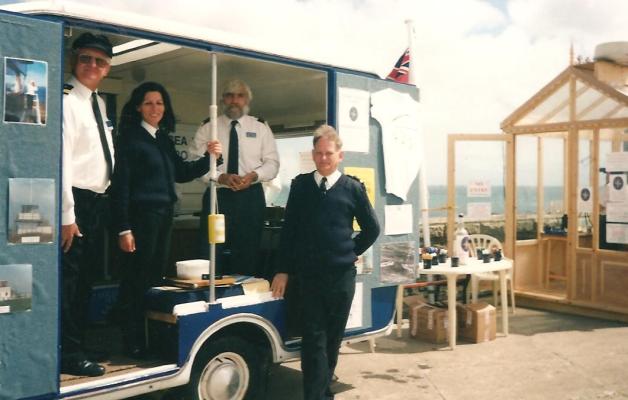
{"points": [[476, 322]]}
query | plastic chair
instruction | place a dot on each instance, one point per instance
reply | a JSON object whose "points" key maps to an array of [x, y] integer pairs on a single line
{"points": [[480, 241]]}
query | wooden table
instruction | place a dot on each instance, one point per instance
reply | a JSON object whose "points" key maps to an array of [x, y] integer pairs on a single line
{"points": [[473, 266]]}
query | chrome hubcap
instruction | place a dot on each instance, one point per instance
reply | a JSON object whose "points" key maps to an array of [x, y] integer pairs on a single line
{"points": [[225, 377]]}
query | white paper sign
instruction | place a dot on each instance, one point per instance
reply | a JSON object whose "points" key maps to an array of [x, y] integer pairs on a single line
{"points": [[617, 212], [402, 139], [479, 189], [617, 162], [617, 233], [364, 265], [355, 314], [617, 191], [478, 210], [585, 203], [398, 219], [353, 119]]}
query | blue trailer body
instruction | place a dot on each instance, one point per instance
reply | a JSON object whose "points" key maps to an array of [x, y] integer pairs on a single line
{"points": [[29, 341]]}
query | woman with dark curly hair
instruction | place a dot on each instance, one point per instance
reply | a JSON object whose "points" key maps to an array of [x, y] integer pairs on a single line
{"points": [[143, 196]]}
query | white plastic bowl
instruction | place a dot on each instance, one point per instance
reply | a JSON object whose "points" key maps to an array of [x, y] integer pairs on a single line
{"points": [[192, 269]]}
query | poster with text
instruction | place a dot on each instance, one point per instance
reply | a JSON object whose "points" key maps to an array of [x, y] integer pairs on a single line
{"points": [[353, 119]]}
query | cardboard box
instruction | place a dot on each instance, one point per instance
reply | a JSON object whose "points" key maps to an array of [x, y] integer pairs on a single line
{"points": [[413, 300], [428, 323], [476, 322]]}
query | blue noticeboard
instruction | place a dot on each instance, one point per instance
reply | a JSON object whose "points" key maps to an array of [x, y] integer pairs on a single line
{"points": [[30, 153], [376, 313]]}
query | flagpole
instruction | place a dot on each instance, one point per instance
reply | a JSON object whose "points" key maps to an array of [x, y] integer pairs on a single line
{"points": [[423, 204]]}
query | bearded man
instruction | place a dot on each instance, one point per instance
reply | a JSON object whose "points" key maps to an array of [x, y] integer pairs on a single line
{"points": [[249, 158]]}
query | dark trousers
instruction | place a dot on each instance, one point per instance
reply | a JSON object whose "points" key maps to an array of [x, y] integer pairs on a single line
{"points": [[326, 304], [145, 268], [244, 221], [81, 267]]}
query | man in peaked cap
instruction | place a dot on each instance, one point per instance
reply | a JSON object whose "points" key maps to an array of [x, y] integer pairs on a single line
{"points": [[88, 158]]}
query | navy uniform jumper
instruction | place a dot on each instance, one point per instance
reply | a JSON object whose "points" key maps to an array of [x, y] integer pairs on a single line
{"points": [[143, 197], [319, 250]]}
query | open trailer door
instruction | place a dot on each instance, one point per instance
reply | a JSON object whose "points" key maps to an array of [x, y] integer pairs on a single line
{"points": [[30, 145]]}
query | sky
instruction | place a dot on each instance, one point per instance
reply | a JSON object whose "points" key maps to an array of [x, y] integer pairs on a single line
{"points": [[476, 61]]}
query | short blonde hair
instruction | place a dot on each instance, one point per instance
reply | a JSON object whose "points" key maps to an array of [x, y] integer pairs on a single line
{"points": [[328, 132]]}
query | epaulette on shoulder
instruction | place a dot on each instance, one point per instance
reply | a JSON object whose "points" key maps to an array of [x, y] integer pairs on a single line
{"points": [[355, 178], [262, 120], [299, 178], [206, 120], [67, 88]]}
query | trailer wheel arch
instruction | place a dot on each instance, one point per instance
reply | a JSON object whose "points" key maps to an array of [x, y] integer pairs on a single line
{"points": [[233, 363]]}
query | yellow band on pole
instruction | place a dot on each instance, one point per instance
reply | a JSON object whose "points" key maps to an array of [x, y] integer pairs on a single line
{"points": [[216, 228]]}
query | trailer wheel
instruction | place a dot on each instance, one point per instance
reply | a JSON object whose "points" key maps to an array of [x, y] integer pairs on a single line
{"points": [[229, 369]]}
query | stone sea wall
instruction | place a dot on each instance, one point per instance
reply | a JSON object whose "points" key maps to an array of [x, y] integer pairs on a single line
{"points": [[526, 227]]}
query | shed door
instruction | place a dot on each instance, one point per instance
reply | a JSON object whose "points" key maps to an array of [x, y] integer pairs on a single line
{"points": [[30, 154], [478, 186]]}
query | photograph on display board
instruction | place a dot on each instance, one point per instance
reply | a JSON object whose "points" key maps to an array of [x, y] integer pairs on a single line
{"points": [[25, 91], [16, 288], [397, 262], [31, 211]]}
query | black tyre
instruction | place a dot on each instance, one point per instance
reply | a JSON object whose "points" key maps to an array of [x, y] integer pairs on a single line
{"points": [[229, 368]]}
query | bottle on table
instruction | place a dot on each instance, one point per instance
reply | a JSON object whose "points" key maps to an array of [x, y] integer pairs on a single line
{"points": [[461, 242]]}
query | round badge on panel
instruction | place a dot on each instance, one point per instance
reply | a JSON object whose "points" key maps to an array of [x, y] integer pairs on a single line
{"points": [[353, 114], [618, 183]]}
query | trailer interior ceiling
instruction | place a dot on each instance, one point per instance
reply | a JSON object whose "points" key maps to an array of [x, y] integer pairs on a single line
{"points": [[292, 99], [287, 96]]}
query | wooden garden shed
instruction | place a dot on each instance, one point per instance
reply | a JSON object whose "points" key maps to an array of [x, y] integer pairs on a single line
{"points": [[563, 150], [580, 262]]}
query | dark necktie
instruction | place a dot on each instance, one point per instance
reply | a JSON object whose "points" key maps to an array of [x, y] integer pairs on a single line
{"points": [[232, 164], [101, 131], [323, 185]]}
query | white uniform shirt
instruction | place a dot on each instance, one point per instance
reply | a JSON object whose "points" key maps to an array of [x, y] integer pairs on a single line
{"points": [[149, 128], [84, 164], [331, 179], [256, 145]]}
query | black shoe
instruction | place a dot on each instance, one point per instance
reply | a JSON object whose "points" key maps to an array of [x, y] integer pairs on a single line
{"points": [[83, 368]]}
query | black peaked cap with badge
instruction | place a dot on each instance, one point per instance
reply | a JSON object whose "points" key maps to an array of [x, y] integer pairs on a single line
{"points": [[90, 41]]}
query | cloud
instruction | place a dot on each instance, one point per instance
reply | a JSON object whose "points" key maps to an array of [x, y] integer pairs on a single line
{"points": [[476, 60]]}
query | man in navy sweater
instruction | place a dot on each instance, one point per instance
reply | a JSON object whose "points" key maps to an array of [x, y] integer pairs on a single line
{"points": [[318, 249]]}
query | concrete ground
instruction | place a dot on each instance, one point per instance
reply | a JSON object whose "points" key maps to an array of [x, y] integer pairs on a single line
{"points": [[546, 356]]}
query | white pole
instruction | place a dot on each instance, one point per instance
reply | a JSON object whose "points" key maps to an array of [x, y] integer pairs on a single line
{"points": [[423, 204], [213, 129]]}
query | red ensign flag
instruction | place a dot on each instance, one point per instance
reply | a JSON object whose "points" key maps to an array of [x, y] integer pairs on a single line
{"points": [[402, 68]]}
